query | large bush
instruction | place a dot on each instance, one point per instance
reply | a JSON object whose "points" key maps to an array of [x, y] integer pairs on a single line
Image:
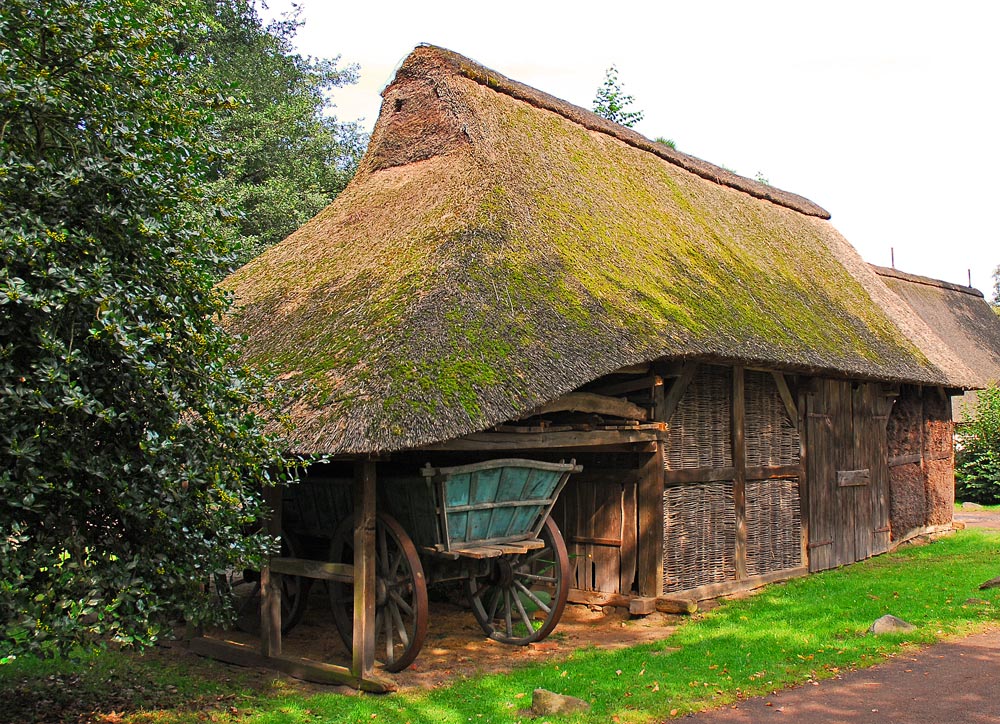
{"points": [[977, 458], [131, 450]]}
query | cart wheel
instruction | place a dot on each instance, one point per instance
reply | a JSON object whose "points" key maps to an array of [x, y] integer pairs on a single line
{"points": [[400, 593], [244, 589], [521, 597]]}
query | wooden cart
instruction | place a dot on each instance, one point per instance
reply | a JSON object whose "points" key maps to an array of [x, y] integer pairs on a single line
{"points": [[485, 524]]}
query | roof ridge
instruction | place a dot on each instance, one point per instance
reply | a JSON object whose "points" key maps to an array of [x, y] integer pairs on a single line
{"points": [[472, 70], [884, 271]]}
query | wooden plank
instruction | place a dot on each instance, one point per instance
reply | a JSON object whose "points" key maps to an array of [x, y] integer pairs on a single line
{"points": [[479, 552], [363, 654], [898, 460], [270, 581], [849, 478], [686, 476], [598, 598], [232, 652], [590, 402], [607, 559], [676, 391], [786, 398], [650, 526], [621, 388], [714, 590], [543, 440], [740, 462], [629, 552], [615, 542], [322, 570]]}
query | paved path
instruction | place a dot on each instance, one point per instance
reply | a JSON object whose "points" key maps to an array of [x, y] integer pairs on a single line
{"points": [[950, 683]]}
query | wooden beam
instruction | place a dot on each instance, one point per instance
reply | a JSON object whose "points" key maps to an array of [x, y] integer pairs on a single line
{"points": [[649, 506], [270, 581], [786, 397], [621, 388], [539, 440], [317, 672], [770, 472], [677, 390], [639, 369], [342, 572], [590, 402], [714, 590], [363, 654], [687, 476], [740, 462]]}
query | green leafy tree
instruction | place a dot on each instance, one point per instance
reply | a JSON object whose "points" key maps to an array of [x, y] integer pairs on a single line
{"points": [[977, 457], [613, 103], [130, 452], [284, 155]]}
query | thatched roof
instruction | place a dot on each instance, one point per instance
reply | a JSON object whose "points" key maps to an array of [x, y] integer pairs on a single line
{"points": [[958, 315], [499, 247]]}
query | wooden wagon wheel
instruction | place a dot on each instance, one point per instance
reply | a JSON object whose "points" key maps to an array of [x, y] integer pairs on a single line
{"points": [[521, 597], [400, 593], [243, 587]]}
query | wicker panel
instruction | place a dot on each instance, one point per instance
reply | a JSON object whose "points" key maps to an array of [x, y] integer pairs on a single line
{"points": [[774, 526], [771, 438], [699, 535], [698, 433]]}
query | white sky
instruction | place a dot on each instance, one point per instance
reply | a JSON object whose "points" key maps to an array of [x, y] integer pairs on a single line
{"points": [[884, 113]]}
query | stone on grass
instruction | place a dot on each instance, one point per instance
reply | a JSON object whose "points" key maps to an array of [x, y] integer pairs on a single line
{"points": [[992, 583], [975, 602], [971, 506], [890, 624], [545, 702]]}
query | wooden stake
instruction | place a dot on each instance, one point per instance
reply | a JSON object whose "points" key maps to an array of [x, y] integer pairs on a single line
{"points": [[650, 513], [270, 582], [363, 655], [740, 463]]}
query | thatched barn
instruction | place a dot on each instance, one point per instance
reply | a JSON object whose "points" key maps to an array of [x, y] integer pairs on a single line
{"points": [[508, 274]]}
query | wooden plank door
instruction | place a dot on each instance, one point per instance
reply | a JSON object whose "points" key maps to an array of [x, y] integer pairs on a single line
{"points": [[848, 473], [597, 515]]}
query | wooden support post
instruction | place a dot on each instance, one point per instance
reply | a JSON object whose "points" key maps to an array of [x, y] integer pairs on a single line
{"points": [[270, 582], [804, 482], [740, 463], [650, 513], [363, 655]]}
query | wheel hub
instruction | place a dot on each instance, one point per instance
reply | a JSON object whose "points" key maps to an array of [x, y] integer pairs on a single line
{"points": [[381, 592]]}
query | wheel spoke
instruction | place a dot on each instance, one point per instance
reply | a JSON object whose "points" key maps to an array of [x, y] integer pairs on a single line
{"points": [[394, 568], [404, 637], [382, 549], [389, 643], [507, 612], [401, 603], [524, 614], [537, 601], [535, 555], [493, 606]]}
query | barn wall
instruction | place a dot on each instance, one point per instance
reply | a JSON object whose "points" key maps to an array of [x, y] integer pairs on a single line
{"points": [[731, 501], [922, 461]]}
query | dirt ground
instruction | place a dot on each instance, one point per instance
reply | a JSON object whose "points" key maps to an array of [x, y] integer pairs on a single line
{"points": [[978, 518], [456, 647]]}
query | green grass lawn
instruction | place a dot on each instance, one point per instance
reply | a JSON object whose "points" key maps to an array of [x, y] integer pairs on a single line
{"points": [[958, 507], [806, 629]]}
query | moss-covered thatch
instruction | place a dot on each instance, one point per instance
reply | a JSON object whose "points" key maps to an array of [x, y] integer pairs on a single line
{"points": [[499, 248], [958, 315]]}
